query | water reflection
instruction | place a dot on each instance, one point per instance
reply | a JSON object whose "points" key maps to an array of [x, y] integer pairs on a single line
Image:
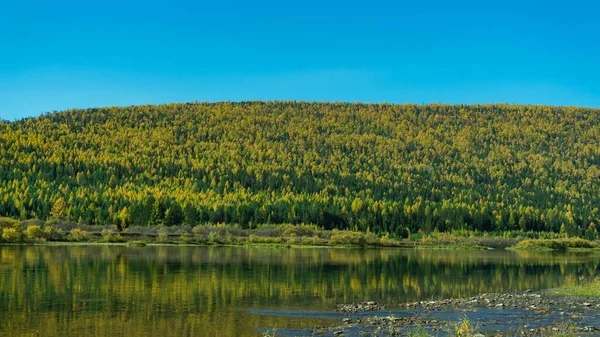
{"points": [[206, 291]]}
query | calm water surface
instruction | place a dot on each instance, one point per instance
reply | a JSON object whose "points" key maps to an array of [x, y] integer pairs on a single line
{"points": [[236, 291]]}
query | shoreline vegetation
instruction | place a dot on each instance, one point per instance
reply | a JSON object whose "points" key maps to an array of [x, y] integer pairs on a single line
{"points": [[581, 288], [36, 231]]}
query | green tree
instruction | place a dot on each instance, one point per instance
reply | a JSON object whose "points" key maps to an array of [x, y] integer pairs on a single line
{"points": [[59, 210]]}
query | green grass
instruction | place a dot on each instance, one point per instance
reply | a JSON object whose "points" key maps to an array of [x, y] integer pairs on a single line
{"points": [[465, 328], [579, 289]]}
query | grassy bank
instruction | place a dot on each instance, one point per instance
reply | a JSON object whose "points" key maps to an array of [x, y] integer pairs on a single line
{"points": [[562, 244], [37, 231], [579, 289]]}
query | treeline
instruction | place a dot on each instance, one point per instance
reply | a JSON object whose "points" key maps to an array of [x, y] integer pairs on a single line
{"points": [[387, 168]]}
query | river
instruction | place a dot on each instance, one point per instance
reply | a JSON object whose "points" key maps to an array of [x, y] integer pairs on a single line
{"points": [[101, 290]]}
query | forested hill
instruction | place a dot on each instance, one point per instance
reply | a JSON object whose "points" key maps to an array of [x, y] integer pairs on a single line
{"points": [[377, 166]]}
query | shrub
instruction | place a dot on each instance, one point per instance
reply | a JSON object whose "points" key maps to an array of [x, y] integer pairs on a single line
{"points": [[9, 223], [268, 232], [187, 239], [11, 235], [214, 237], [34, 233], [27, 223], [228, 238], [556, 244], [463, 328], [199, 230], [253, 238], [109, 236], [78, 235], [163, 235], [347, 238], [106, 233], [371, 239], [313, 241], [579, 243], [442, 240], [299, 230], [53, 234]]}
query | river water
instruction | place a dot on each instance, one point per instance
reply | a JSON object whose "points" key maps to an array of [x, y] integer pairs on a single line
{"points": [[238, 291]]}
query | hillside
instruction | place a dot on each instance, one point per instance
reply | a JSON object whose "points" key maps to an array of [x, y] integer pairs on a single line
{"points": [[380, 167]]}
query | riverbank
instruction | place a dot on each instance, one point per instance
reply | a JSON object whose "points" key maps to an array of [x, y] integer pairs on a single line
{"points": [[545, 313], [38, 232]]}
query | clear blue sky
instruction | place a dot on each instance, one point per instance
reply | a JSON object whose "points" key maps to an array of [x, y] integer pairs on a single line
{"points": [[56, 55]]}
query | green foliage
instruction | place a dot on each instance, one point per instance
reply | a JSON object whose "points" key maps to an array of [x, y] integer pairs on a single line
{"points": [[555, 244], [163, 235], [77, 234], [348, 238], [213, 237], [395, 169], [579, 288], [53, 234], [9, 223], [187, 239], [253, 238], [11, 235], [109, 235], [34, 233], [59, 210], [462, 329], [299, 230]]}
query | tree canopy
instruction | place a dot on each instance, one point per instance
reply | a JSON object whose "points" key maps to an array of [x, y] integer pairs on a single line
{"points": [[383, 167]]}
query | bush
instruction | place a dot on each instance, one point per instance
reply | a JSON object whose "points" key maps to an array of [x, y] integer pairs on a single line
{"points": [[299, 230], [34, 233], [27, 223], [53, 234], [442, 239], [555, 244], [187, 239], [266, 231], [579, 243], [253, 238], [109, 236], [228, 238], [535, 244], [199, 230], [313, 241], [78, 235], [347, 238], [11, 235], [214, 237], [106, 234], [163, 235], [9, 223]]}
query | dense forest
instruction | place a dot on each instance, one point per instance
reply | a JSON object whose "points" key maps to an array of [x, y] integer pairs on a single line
{"points": [[378, 167]]}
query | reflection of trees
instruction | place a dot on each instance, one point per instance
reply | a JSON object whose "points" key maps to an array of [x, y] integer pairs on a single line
{"points": [[191, 290]]}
